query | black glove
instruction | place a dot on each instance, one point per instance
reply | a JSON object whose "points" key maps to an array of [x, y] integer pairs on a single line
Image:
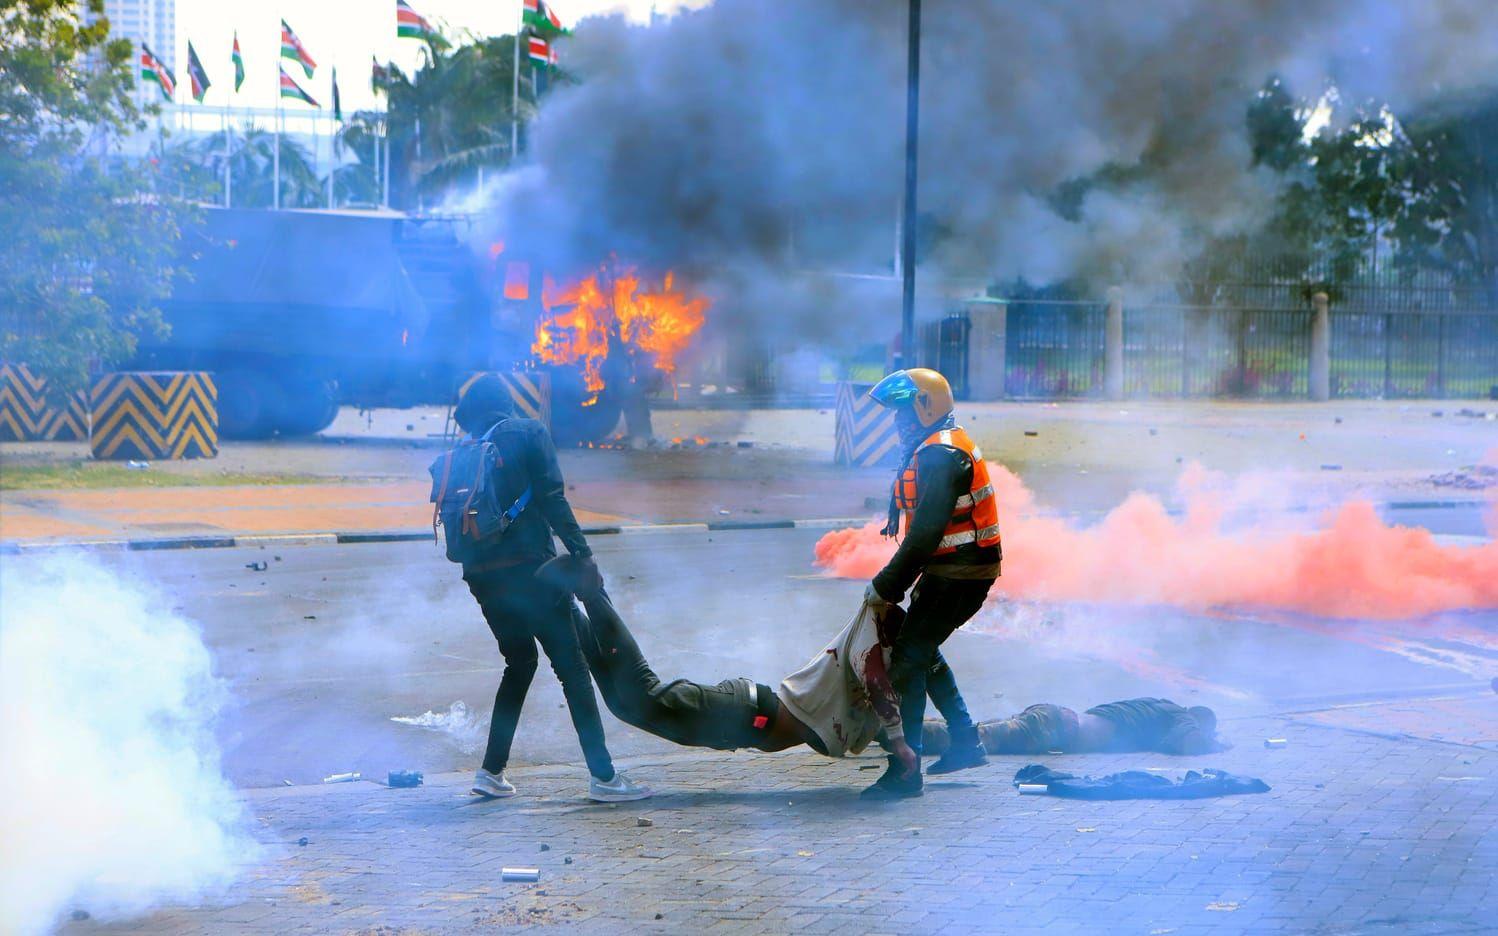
{"points": [[577, 575], [589, 579]]}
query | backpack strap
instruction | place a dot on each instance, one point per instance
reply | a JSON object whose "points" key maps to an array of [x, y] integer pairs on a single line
{"points": [[447, 470], [519, 506], [473, 490]]}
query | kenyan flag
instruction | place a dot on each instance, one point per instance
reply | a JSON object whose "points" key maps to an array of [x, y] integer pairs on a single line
{"points": [[290, 89], [292, 48], [238, 64], [541, 52], [542, 18], [411, 25], [153, 69], [196, 75]]}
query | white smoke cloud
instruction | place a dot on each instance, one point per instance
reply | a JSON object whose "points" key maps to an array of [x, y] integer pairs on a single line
{"points": [[111, 796]]}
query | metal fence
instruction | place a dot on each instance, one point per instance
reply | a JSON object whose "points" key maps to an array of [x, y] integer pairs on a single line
{"points": [[1055, 348]]}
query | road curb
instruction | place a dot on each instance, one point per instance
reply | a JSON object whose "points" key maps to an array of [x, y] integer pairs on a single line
{"points": [[400, 536]]}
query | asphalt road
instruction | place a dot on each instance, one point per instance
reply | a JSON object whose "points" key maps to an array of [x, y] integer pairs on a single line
{"points": [[323, 648]]}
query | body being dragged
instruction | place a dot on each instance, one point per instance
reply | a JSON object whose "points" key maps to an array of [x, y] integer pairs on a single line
{"points": [[836, 704]]}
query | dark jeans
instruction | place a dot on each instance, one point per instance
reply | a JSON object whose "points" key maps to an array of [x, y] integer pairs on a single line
{"points": [[695, 714], [523, 612], [938, 606]]}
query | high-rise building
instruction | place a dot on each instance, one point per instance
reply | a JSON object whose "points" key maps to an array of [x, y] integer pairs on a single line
{"points": [[153, 22]]}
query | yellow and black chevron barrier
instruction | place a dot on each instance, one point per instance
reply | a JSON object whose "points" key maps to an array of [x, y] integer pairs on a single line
{"points": [[154, 415], [26, 415], [530, 391], [865, 431]]}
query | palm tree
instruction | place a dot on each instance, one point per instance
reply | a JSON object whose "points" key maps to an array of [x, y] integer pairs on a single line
{"points": [[252, 169], [449, 120]]}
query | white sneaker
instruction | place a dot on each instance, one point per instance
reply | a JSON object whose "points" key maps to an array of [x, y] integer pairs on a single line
{"points": [[494, 786], [618, 790]]}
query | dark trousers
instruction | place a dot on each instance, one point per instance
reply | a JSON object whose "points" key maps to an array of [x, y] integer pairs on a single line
{"points": [[522, 612], [938, 606], [695, 714]]}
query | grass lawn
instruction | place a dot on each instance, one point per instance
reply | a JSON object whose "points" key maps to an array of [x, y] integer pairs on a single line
{"points": [[83, 474]]}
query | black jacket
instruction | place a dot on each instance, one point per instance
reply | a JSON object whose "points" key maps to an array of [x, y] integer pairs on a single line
{"points": [[528, 456], [943, 474]]}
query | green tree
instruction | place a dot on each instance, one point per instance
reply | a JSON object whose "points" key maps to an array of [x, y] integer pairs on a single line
{"points": [[451, 119], [89, 239], [1452, 224]]}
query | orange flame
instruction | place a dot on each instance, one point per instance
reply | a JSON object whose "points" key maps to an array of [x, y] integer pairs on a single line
{"points": [[584, 318]]}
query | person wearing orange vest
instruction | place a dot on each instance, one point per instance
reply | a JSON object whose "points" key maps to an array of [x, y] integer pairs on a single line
{"points": [[948, 558]]}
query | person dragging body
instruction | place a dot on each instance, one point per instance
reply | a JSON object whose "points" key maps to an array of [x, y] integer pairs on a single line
{"points": [[499, 497], [836, 704], [948, 560]]}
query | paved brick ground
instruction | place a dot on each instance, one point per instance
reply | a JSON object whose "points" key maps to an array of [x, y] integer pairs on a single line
{"points": [[1362, 833]]}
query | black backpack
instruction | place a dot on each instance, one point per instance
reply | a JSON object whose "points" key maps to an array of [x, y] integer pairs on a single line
{"points": [[466, 500]]}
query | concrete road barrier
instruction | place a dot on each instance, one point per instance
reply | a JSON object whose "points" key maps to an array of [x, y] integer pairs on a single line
{"points": [[154, 414], [27, 415], [865, 433]]}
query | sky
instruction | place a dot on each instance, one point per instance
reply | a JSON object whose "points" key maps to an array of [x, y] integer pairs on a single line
{"points": [[344, 33]]}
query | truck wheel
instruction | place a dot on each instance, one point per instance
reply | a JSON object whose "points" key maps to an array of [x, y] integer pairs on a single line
{"points": [[245, 399], [308, 405]]}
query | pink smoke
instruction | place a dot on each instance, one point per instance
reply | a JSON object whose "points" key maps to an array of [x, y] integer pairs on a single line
{"points": [[1350, 564]]}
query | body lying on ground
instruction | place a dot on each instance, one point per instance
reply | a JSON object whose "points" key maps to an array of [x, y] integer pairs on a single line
{"points": [[1128, 725], [836, 704]]}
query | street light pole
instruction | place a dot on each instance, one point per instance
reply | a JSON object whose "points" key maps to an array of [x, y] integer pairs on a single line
{"points": [[908, 222]]}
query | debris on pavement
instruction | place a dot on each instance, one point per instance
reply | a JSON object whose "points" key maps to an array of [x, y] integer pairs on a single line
{"points": [[1275, 742], [644, 823], [1472, 478], [1222, 906], [545, 847], [404, 779], [521, 875], [1138, 784], [342, 778], [1033, 789], [302, 841], [259, 565], [567, 860], [1031, 433]]}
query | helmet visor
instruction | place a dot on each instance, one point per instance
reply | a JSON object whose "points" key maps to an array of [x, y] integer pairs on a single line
{"points": [[894, 391]]}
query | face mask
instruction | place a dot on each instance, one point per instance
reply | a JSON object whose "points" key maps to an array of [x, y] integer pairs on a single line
{"points": [[912, 433]]}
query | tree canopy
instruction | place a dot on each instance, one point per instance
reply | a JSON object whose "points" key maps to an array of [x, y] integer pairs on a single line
{"points": [[88, 237]]}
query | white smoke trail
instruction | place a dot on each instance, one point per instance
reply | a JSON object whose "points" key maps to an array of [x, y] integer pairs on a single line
{"points": [[111, 796], [465, 728]]}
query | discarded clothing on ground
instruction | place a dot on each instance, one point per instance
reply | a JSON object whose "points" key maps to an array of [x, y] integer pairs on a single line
{"points": [[1138, 784]]}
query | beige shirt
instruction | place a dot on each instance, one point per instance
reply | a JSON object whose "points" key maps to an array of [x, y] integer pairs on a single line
{"points": [[843, 693]]}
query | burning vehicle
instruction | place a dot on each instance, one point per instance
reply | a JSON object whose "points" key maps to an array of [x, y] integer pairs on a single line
{"points": [[299, 312]]}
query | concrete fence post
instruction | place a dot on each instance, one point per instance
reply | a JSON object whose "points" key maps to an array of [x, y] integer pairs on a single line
{"points": [[985, 349], [1320, 369], [1113, 346]]}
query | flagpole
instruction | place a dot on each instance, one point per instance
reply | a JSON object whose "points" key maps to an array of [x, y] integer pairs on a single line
{"points": [[228, 154], [276, 154], [515, 91], [375, 147]]}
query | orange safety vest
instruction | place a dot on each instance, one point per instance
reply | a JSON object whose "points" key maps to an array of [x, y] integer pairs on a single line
{"points": [[975, 516]]}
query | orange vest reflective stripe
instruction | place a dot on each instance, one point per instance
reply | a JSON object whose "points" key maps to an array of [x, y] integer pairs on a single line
{"points": [[975, 516]]}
